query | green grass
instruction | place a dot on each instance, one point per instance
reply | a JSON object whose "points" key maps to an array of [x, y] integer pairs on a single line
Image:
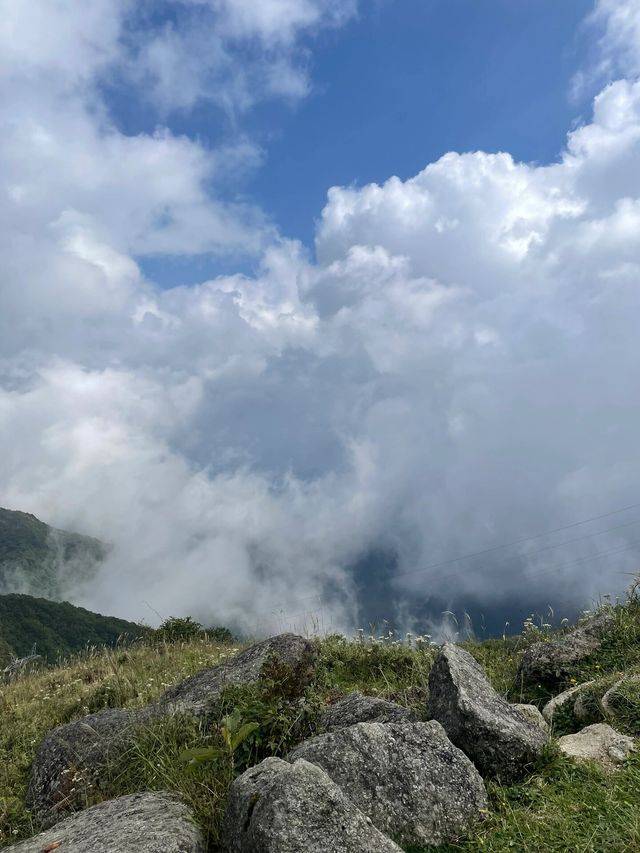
{"points": [[563, 806], [38, 702]]}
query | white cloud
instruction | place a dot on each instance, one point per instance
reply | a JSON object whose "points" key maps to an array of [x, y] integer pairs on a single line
{"points": [[620, 41], [233, 52], [458, 368], [615, 52]]}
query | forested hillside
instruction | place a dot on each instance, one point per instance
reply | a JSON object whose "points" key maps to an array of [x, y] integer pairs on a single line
{"points": [[40, 560], [57, 628]]}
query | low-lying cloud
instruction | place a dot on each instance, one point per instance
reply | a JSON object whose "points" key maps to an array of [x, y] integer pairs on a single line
{"points": [[457, 369]]}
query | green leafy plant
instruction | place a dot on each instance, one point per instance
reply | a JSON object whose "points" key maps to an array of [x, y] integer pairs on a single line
{"points": [[233, 733]]}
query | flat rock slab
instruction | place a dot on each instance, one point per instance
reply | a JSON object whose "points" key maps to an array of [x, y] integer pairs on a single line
{"points": [[73, 757], [599, 743], [408, 778], [500, 741], [139, 823], [196, 694], [278, 807], [357, 708], [551, 662]]}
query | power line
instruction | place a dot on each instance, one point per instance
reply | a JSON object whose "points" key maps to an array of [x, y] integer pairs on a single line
{"points": [[546, 571], [515, 542], [511, 544]]}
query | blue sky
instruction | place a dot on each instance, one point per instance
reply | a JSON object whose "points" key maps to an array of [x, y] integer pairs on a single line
{"points": [[393, 90], [409, 81]]}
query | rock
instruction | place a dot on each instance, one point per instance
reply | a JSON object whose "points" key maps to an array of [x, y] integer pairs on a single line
{"points": [[599, 743], [357, 708], [407, 777], [608, 701], [587, 707], [195, 695], [496, 737], [560, 701], [71, 758], [278, 807], [139, 823], [552, 662], [533, 715]]}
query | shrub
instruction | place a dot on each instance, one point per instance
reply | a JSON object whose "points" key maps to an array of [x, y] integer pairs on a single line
{"points": [[177, 629]]}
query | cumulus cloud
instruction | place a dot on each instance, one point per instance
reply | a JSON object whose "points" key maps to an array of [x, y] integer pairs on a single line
{"points": [[455, 370]]}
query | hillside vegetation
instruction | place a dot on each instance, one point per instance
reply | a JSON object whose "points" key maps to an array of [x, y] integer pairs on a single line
{"points": [[562, 806], [40, 560], [58, 629]]}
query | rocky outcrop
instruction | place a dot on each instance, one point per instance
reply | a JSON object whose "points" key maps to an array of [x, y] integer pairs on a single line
{"points": [[196, 695], [551, 662], [357, 708], [498, 739], [533, 715], [599, 743], [278, 807], [139, 823], [72, 758], [408, 778]]}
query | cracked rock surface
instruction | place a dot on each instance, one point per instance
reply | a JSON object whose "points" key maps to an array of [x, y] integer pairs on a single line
{"points": [[357, 708], [277, 807], [499, 739], [408, 778], [139, 823]]}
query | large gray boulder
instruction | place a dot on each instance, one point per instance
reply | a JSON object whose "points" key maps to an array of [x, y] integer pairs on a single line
{"points": [[500, 741], [551, 662], [73, 757], [295, 656], [357, 708], [599, 743], [139, 823], [407, 777], [278, 807]]}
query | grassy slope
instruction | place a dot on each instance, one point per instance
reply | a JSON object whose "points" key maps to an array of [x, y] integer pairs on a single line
{"points": [[57, 628], [561, 807], [31, 553]]}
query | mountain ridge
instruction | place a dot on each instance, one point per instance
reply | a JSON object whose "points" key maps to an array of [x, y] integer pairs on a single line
{"points": [[57, 628]]}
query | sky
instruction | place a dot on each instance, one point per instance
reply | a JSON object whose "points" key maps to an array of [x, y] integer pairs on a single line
{"points": [[321, 311]]}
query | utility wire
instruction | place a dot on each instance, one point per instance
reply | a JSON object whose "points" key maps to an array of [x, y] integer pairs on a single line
{"points": [[511, 544], [515, 542], [546, 571]]}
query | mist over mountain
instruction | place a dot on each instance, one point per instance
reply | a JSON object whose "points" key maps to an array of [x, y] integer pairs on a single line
{"points": [[37, 559]]}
